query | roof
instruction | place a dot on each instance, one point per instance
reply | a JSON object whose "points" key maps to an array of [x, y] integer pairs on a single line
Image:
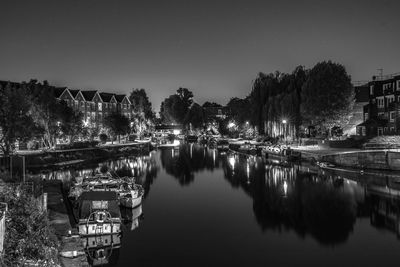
{"points": [[106, 97], [374, 122], [88, 95], [362, 93], [87, 198], [74, 93], [58, 91], [99, 195], [168, 127], [120, 98]]}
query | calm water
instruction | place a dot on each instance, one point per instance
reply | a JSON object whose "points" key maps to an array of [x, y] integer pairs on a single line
{"points": [[204, 208]]}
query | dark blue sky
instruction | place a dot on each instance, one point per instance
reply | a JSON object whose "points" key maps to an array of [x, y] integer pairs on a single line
{"points": [[215, 48]]}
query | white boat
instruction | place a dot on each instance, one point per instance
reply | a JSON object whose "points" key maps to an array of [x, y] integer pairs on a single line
{"points": [[131, 198]]}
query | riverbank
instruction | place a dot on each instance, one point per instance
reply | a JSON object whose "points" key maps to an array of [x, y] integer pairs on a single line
{"points": [[379, 159], [71, 251], [63, 158]]}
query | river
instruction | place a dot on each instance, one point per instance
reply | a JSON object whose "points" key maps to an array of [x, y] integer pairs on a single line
{"points": [[205, 208]]}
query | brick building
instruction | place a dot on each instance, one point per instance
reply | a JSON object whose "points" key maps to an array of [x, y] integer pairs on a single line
{"points": [[382, 113]]}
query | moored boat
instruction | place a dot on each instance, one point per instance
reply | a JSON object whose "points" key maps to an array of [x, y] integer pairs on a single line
{"points": [[98, 213], [131, 198]]}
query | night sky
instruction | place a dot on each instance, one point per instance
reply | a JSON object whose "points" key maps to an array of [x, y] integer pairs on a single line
{"points": [[215, 48]]}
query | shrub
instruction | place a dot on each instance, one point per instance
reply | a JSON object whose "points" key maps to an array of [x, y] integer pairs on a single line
{"points": [[103, 138], [28, 235]]}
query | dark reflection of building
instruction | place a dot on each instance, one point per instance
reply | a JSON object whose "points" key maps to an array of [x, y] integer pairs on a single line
{"points": [[385, 208], [191, 158], [102, 249]]}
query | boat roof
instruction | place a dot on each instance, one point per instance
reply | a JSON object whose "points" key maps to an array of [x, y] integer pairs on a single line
{"points": [[99, 195]]}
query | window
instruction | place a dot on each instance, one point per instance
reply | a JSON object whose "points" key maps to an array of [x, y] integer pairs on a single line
{"points": [[392, 129], [100, 106], [380, 131], [398, 84], [371, 90], [385, 130], [366, 116], [363, 131], [381, 102], [392, 115], [381, 114], [82, 104]]}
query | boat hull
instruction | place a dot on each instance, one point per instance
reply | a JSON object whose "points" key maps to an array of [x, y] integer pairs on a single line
{"points": [[131, 202]]}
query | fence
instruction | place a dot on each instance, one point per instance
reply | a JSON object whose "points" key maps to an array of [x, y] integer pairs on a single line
{"points": [[3, 209]]}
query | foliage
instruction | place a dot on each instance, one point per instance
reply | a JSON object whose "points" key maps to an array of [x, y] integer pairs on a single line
{"points": [[211, 104], [275, 97], [28, 235], [141, 103], [143, 117], [55, 117], [71, 121], [16, 123], [327, 95], [103, 138], [239, 109], [174, 108], [195, 116], [117, 124]]}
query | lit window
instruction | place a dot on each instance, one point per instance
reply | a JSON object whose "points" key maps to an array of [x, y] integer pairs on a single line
{"points": [[100, 106], [392, 114]]}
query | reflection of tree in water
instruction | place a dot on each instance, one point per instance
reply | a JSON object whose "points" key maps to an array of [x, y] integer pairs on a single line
{"points": [[183, 163], [285, 198]]}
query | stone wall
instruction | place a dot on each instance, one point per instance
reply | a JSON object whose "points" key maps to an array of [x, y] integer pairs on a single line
{"points": [[371, 159]]}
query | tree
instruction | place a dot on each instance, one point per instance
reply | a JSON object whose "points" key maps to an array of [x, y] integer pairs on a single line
{"points": [[117, 124], [239, 109], [16, 123], [143, 116], [195, 116], [327, 95], [174, 108], [71, 122], [211, 104]]}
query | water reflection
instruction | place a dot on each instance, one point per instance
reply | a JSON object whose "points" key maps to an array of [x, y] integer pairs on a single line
{"points": [[311, 202], [104, 250], [184, 162], [321, 205]]}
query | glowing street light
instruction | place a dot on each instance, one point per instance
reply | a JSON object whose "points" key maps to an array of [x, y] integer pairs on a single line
{"points": [[231, 124], [284, 121]]}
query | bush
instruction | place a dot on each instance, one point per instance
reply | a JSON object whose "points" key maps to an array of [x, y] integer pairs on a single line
{"points": [[28, 236], [103, 138]]}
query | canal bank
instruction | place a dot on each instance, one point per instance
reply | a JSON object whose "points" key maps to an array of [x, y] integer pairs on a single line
{"points": [[382, 159], [63, 158], [71, 251]]}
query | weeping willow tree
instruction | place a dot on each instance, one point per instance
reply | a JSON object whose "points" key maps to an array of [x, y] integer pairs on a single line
{"points": [[274, 99]]}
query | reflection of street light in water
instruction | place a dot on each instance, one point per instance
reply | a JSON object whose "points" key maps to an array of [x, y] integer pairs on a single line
{"points": [[285, 186], [232, 162], [248, 173]]}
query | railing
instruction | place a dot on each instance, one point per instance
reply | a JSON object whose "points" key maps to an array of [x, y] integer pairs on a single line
{"points": [[386, 77], [3, 210]]}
